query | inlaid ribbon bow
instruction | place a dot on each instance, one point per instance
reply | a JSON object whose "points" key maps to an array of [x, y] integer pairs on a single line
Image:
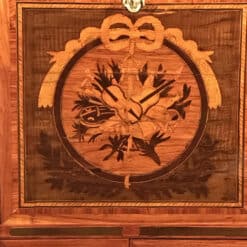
{"points": [[125, 34], [118, 32]]}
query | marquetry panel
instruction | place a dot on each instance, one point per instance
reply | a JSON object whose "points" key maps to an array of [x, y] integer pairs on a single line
{"points": [[187, 178], [130, 110]]}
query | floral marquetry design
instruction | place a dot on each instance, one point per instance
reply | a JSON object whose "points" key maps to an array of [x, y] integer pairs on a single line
{"points": [[130, 110]]}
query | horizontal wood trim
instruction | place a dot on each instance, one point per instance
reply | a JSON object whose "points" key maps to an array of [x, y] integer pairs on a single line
{"points": [[79, 231], [147, 2], [116, 219], [188, 243], [65, 243], [143, 232], [193, 231]]}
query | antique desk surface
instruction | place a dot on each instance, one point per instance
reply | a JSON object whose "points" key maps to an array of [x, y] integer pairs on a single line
{"points": [[120, 128]]}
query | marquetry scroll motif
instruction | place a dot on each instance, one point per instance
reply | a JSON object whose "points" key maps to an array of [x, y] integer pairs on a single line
{"points": [[130, 105], [59, 60], [69, 177], [130, 121], [137, 36], [131, 112]]}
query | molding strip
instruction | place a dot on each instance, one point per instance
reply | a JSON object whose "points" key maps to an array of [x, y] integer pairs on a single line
{"points": [[193, 231], [78, 231]]}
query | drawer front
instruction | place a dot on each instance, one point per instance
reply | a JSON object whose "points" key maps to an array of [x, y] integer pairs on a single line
{"points": [[189, 243], [65, 243]]}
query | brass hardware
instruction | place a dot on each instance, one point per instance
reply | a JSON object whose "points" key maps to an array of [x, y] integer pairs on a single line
{"points": [[134, 5]]}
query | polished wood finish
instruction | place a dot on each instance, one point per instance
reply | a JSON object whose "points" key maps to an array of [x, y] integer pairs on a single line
{"points": [[134, 163], [131, 218], [5, 76], [124, 209], [64, 243], [188, 243], [41, 149]]}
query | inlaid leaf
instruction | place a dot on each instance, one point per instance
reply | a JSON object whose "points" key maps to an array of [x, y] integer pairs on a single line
{"points": [[116, 71], [102, 77], [143, 74]]}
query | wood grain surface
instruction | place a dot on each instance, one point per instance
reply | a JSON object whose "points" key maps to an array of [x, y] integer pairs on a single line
{"points": [[158, 209], [167, 151], [5, 74], [13, 215], [188, 243], [41, 138], [64, 243]]}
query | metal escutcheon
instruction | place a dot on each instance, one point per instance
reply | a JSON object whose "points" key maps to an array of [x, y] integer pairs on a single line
{"points": [[133, 5]]}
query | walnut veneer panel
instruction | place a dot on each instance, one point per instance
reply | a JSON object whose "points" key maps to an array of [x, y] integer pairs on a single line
{"points": [[14, 215]]}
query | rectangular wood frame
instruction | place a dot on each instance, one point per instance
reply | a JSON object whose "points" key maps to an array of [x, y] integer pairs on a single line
{"points": [[14, 216], [21, 132]]}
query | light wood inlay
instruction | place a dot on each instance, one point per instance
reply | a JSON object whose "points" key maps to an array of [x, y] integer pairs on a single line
{"points": [[13, 215]]}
